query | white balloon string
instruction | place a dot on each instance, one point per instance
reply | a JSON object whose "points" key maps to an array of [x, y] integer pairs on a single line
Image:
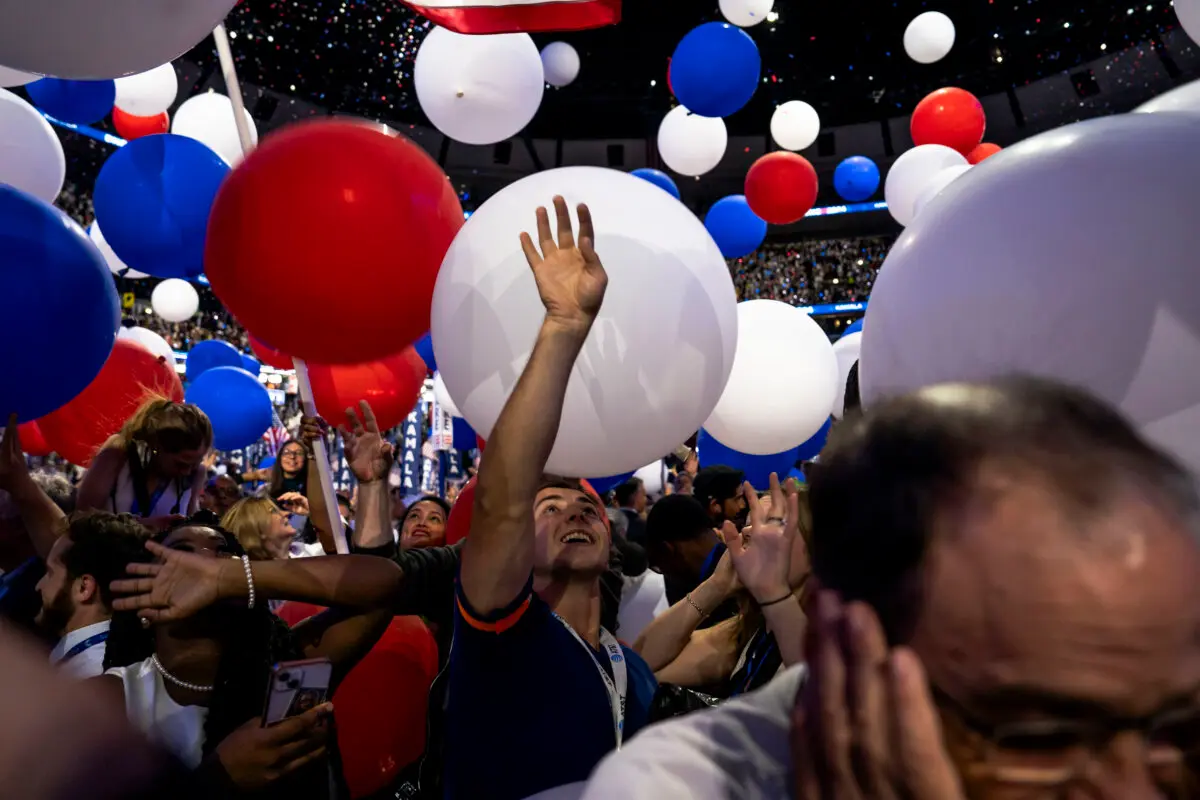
{"points": [[320, 453]]}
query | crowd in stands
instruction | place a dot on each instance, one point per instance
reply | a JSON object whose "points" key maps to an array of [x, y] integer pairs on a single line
{"points": [[205, 325], [811, 272]]}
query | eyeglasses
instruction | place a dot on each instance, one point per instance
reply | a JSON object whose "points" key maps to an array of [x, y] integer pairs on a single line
{"points": [[292, 454]]}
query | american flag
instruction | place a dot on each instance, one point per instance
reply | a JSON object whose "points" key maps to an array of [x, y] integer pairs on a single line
{"points": [[518, 16], [276, 435]]}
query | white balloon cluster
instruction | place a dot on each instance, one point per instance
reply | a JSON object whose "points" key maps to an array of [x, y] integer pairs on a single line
{"points": [[31, 158], [148, 93], [795, 125], [208, 118], [175, 300], [560, 62], [691, 144], [929, 37]]}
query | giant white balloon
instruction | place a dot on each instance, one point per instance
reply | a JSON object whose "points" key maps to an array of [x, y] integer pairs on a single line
{"points": [[14, 77], [691, 144], [651, 477], [443, 396], [115, 265], [31, 155], [1184, 98], [175, 300], [745, 13], [149, 340], [1071, 257], [99, 40], [846, 350], [208, 118], [783, 382], [911, 173], [935, 185], [478, 89], [630, 398], [560, 62], [795, 125], [148, 93], [1188, 12], [929, 37]]}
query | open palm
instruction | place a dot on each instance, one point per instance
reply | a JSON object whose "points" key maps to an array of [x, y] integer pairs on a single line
{"points": [[762, 552], [367, 454], [177, 587], [570, 278]]}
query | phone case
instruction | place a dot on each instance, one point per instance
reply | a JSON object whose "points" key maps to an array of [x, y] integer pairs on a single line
{"points": [[294, 687]]}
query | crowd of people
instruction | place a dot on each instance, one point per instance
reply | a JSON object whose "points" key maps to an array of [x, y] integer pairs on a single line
{"points": [[811, 272]]}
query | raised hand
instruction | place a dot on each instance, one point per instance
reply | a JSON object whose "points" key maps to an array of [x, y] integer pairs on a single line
{"points": [[178, 587], [570, 278], [368, 455], [12, 459], [864, 724], [762, 552]]}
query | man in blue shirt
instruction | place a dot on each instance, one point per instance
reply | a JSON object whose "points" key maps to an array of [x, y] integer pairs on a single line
{"points": [[539, 692]]}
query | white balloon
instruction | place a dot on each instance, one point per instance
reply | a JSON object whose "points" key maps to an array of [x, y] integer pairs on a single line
{"points": [[560, 62], [175, 300], [1183, 98], [783, 382], [150, 340], [745, 13], [630, 399], [691, 144], [935, 185], [478, 89], [85, 39], [443, 396], [115, 265], [795, 125], [148, 93], [929, 37], [911, 173], [846, 350], [1073, 258], [651, 477], [208, 118], [31, 155], [14, 77], [1188, 12]]}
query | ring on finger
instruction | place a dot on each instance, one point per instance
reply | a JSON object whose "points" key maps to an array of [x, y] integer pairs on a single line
{"points": [[777, 520]]}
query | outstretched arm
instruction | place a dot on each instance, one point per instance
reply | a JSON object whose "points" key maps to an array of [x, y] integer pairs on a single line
{"points": [[498, 555], [43, 519]]}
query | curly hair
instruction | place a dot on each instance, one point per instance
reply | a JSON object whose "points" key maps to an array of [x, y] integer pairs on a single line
{"points": [[252, 641]]}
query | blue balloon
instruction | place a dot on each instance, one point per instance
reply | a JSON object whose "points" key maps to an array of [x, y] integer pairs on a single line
{"points": [[736, 229], [209, 354], [153, 198], [602, 485], [236, 403], [267, 462], [758, 469], [715, 69], [798, 475], [59, 311], [251, 364], [856, 178], [464, 435], [424, 348], [660, 179], [77, 102], [853, 327], [812, 448]]}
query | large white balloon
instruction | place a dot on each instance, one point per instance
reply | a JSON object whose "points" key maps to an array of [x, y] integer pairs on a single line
{"points": [[31, 155], [149, 340], [208, 118], [1188, 12], [1071, 257], [745, 13], [100, 40], [630, 398], [652, 476], [1184, 98], [443, 396], [935, 185], [911, 173], [478, 89], [14, 77], [560, 62], [783, 382], [929, 37], [115, 265], [175, 300], [846, 350], [148, 93], [795, 125], [691, 144]]}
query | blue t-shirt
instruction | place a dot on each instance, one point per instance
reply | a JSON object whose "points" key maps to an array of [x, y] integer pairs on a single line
{"points": [[526, 708]]}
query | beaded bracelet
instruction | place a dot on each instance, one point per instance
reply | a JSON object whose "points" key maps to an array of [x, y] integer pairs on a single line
{"points": [[249, 580]]}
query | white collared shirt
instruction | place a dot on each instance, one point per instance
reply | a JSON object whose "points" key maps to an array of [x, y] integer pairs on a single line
{"points": [[87, 663]]}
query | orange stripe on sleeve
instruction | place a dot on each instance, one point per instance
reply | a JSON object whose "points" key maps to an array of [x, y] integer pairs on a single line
{"points": [[497, 626]]}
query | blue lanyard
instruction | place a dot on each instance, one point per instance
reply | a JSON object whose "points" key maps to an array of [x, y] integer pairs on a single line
{"points": [[761, 648], [86, 644], [154, 498]]}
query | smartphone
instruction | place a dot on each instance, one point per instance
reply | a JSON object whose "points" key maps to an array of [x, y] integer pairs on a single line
{"points": [[295, 687]]}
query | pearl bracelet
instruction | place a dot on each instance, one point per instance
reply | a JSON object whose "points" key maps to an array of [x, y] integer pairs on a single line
{"points": [[249, 580]]}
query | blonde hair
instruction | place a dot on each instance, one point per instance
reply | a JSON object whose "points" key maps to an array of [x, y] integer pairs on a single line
{"points": [[168, 426], [249, 519]]}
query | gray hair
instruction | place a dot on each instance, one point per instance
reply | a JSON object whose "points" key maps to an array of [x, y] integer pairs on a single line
{"points": [[56, 487]]}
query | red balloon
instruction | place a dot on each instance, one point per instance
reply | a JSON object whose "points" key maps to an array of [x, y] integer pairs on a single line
{"points": [[391, 385], [333, 210], [32, 440], [131, 127], [131, 376], [983, 152], [458, 525], [951, 117], [781, 187], [269, 355]]}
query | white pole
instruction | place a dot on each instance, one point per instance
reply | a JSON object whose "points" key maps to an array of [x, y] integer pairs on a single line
{"points": [[225, 55]]}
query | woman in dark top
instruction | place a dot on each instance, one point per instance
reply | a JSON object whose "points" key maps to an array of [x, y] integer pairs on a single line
{"points": [[290, 472]]}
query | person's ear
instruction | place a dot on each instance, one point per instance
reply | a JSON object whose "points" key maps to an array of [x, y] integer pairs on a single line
{"points": [[716, 508], [86, 589]]}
